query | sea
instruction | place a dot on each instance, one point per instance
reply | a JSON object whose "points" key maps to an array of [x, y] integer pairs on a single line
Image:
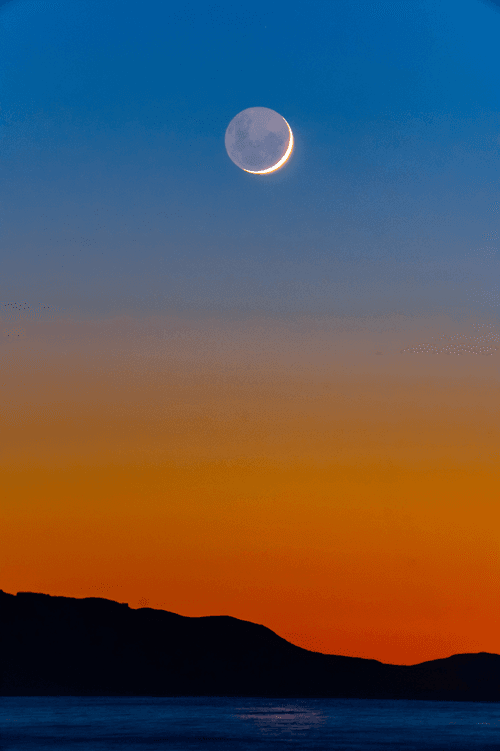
{"points": [[245, 724]]}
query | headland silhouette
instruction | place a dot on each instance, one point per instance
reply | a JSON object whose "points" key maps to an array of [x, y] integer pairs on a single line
{"points": [[65, 646]]}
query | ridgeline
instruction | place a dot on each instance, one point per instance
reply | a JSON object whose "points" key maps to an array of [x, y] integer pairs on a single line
{"points": [[63, 646]]}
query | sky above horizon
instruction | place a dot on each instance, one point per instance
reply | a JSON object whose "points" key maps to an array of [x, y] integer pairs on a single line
{"points": [[274, 396]]}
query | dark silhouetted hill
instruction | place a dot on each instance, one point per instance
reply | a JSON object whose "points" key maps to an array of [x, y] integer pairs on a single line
{"points": [[92, 646]]}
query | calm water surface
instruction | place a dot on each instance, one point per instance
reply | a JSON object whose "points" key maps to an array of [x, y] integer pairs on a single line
{"points": [[256, 724]]}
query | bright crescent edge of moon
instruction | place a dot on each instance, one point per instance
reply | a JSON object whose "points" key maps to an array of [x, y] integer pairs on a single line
{"points": [[281, 161]]}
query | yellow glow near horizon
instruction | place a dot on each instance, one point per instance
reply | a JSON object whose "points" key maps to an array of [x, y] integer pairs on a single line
{"points": [[281, 161]]}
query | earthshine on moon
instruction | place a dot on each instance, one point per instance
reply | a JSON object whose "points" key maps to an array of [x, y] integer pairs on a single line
{"points": [[258, 140]]}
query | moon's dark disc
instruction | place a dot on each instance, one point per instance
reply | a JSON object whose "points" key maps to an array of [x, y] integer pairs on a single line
{"points": [[257, 139]]}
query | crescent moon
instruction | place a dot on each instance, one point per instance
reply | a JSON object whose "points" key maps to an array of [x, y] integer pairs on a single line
{"points": [[281, 161]]}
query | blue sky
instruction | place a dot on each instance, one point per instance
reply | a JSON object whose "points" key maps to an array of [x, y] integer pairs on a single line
{"points": [[117, 194]]}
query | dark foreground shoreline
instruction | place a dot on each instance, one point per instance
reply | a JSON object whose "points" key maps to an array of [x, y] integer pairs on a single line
{"points": [[63, 646]]}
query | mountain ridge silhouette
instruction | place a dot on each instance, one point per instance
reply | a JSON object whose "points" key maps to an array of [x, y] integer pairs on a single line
{"points": [[93, 646]]}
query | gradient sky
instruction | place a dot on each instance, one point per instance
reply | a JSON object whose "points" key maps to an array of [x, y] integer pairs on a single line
{"points": [[273, 397]]}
